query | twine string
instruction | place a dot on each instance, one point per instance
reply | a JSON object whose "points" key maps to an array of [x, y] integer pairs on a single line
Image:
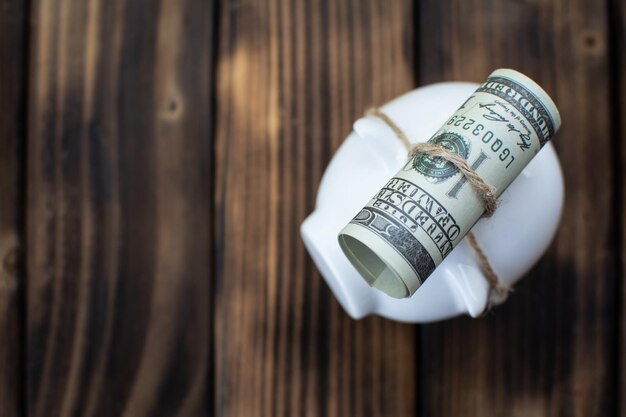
{"points": [[498, 291]]}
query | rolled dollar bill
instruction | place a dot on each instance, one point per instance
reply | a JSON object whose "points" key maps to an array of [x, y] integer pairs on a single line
{"points": [[402, 234]]}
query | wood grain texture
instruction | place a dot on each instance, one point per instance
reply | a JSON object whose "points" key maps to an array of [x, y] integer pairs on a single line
{"points": [[617, 25], [12, 119], [152, 188], [292, 78], [119, 208], [550, 351]]}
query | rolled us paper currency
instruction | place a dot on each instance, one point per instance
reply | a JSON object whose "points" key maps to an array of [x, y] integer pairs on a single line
{"points": [[402, 234]]}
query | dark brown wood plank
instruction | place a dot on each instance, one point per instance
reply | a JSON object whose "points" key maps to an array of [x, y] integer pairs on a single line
{"points": [[12, 118], [550, 351], [119, 208], [617, 22], [292, 78]]}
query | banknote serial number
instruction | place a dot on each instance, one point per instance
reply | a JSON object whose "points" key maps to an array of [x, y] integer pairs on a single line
{"points": [[486, 136]]}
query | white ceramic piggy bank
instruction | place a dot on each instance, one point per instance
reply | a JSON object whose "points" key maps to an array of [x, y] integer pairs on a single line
{"points": [[514, 238]]}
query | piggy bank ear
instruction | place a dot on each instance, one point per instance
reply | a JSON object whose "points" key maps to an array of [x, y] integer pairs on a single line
{"points": [[380, 138], [468, 281], [470, 288]]}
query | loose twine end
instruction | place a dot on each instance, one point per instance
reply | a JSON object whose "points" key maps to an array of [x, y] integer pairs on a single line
{"points": [[498, 292]]}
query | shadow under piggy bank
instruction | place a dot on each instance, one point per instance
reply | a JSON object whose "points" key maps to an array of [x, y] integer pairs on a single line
{"points": [[514, 238]]}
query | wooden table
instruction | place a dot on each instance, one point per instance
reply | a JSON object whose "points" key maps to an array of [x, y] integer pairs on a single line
{"points": [[158, 157]]}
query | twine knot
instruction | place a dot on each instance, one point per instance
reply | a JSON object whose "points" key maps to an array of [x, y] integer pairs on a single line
{"points": [[484, 191]]}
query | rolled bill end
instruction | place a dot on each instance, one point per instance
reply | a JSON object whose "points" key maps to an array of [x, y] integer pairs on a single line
{"points": [[379, 263], [533, 88]]}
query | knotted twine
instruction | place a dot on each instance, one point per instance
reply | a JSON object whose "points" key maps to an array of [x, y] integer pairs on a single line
{"points": [[498, 292]]}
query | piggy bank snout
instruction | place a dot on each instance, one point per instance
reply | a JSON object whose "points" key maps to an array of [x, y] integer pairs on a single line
{"points": [[351, 292]]}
